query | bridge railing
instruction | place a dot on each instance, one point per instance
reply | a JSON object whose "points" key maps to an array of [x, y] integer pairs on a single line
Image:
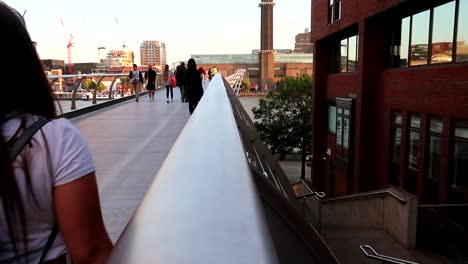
{"points": [[202, 206], [209, 203]]}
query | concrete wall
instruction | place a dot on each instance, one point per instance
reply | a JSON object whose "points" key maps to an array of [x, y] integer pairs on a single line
{"points": [[374, 211]]}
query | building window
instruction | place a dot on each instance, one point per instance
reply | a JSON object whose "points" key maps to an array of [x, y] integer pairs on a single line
{"points": [[460, 158], [394, 172], [414, 148], [429, 36], [442, 33], [420, 38], [332, 119], [462, 32], [435, 145], [334, 11], [346, 55]]}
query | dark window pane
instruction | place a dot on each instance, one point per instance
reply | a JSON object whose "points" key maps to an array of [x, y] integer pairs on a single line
{"points": [[437, 125], [397, 119], [346, 133], [413, 153], [404, 41], [339, 130], [462, 34], [460, 175], [352, 54], [332, 119], [461, 129], [433, 170], [442, 33], [420, 38], [330, 14], [396, 145], [344, 55], [415, 121], [337, 14]]}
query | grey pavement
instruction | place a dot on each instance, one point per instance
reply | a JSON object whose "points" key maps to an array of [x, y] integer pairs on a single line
{"points": [[129, 143]]}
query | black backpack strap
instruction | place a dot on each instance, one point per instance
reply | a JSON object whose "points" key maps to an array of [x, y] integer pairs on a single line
{"points": [[15, 149], [49, 242], [24, 138]]}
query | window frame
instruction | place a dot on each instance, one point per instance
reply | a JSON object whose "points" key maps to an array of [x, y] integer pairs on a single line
{"points": [[334, 11]]}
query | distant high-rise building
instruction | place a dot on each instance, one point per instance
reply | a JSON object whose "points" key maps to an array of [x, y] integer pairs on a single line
{"points": [[152, 52], [303, 43], [116, 58]]}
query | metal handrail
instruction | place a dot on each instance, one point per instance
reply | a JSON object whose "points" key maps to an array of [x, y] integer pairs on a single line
{"points": [[317, 195], [181, 218], [364, 195], [383, 258], [441, 205]]}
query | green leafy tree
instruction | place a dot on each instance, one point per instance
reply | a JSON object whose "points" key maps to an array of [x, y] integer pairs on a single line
{"points": [[245, 85], [285, 117], [90, 84]]}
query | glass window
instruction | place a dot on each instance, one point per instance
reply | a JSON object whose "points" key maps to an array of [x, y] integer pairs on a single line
{"points": [[461, 129], [394, 167], [344, 55], [332, 119], [435, 145], [345, 133], [420, 38], [462, 33], [415, 121], [413, 153], [339, 130], [404, 41], [460, 170], [352, 54], [442, 33]]}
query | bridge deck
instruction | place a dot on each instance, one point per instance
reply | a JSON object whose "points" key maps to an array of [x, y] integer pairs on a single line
{"points": [[129, 142]]}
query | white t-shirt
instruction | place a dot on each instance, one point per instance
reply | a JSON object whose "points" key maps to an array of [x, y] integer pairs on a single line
{"points": [[58, 156]]}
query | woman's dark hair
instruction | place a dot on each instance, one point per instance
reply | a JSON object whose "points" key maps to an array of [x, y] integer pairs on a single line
{"points": [[25, 89], [191, 65], [166, 72]]}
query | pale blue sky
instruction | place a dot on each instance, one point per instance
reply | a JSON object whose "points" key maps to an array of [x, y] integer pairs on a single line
{"points": [[187, 27]]}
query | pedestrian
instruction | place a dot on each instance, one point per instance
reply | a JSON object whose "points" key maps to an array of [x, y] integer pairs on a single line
{"points": [[214, 71], [136, 79], [209, 74], [193, 85], [202, 72], [150, 76], [167, 83], [48, 192], [180, 78]]}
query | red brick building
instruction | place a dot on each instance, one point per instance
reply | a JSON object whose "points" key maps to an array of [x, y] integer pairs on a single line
{"points": [[390, 99]]}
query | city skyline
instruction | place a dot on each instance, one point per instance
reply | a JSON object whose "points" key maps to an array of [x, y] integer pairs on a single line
{"points": [[202, 27]]}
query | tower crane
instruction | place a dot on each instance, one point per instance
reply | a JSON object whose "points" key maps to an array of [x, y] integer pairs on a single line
{"points": [[70, 44]]}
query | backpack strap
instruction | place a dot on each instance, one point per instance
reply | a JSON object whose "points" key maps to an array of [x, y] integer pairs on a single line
{"points": [[50, 241], [19, 143]]}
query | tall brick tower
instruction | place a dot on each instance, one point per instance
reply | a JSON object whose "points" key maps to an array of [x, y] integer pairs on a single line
{"points": [[267, 64]]}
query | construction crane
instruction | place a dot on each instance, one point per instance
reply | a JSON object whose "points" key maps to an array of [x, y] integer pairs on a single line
{"points": [[70, 44]]}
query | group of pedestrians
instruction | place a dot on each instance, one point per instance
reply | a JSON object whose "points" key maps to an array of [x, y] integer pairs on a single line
{"points": [[188, 79]]}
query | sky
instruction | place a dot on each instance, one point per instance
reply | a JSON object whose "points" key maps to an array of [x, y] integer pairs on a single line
{"points": [[187, 27]]}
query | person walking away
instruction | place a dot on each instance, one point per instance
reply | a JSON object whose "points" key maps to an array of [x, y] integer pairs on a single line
{"points": [[193, 85], [150, 76], [48, 189], [180, 77], [209, 74], [201, 70], [136, 79], [167, 83], [214, 71]]}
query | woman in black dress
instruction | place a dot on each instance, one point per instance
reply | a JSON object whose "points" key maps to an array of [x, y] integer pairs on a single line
{"points": [[150, 75], [193, 84]]}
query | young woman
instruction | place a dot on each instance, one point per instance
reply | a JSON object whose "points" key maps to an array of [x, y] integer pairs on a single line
{"points": [[52, 182], [167, 82], [193, 84]]}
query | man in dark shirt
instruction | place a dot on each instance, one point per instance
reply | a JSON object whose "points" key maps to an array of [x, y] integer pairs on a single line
{"points": [[180, 75]]}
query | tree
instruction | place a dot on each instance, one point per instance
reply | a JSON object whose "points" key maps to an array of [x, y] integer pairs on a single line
{"points": [[90, 84], [245, 85], [285, 117]]}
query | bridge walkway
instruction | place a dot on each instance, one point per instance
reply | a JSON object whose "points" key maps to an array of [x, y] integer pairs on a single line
{"points": [[129, 142]]}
